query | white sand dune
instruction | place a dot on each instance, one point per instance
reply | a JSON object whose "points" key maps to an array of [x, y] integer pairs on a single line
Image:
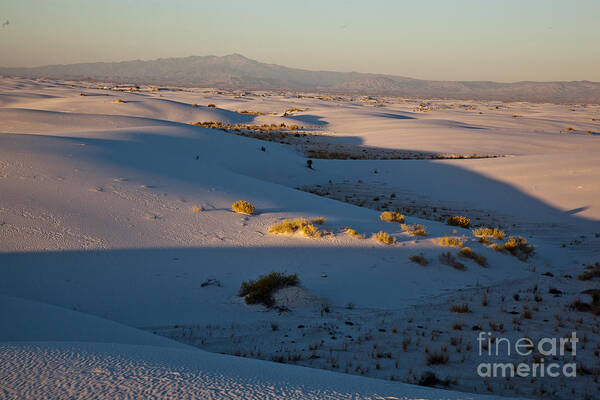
{"points": [[100, 244]]}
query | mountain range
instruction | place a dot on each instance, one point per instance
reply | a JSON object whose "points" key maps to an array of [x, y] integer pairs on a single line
{"points": [[238, 72]]}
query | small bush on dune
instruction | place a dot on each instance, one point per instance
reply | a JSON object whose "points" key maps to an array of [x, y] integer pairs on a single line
{"points": [[119, 101], [419, 259], [354, 233], [242, 207], [304, 226], [384, 237], [518, 247], [467, 252], [261, 290], [456, 220], [415, 230], [489, 232], [449, 241], [212, 106], [448, 259], [391, 216], [197, 209]]}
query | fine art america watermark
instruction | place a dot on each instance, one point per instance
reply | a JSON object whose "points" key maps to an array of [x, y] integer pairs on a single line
{"points": [[547, 361]]}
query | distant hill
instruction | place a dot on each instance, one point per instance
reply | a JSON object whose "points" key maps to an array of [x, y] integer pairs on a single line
{"points": [[238, 72]]}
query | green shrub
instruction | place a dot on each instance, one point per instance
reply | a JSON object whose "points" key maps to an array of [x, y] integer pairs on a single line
{"points": [[304, 226], [489, 232], [415, 230], [456, 220], [261, 290], [243, 207], [384, 237], [354, 233], [518, 247], [449, 241], [391, 216]]}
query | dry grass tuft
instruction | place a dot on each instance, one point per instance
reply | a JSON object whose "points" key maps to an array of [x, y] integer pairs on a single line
{"points": [[419, 259], [354, 234], [243, 207], [437, 358], [119, 101], [489, 232], [197, 209], [460, 308], [449, 241], [384, 237], [212, 106], [391, 216], [415, 230], [457, 220], [291, 226], [467, 252], [448, 259]]}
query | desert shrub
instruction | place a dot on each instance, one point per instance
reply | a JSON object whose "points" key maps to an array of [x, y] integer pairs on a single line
{"points": [[119, 101], [419, 259], [384, 237], [195, 105], [457, 220], [197, 209], [261, 290], [354, 233], [460, 308], [450, 260], [467, 252], [415, 230], [242, 207], [391, 216], [591, 272], [212, 106], [449, 241], [489, 232], [291, 226], [518, 247]]}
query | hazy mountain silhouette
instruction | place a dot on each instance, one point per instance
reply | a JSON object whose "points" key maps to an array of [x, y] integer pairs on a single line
{"points": [[238, 72]]}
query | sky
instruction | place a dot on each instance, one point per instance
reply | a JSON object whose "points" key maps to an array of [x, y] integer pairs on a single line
{"points": [[500, 40]]}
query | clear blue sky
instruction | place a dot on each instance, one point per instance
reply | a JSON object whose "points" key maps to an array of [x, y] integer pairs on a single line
{"points": [[501, 40]]}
